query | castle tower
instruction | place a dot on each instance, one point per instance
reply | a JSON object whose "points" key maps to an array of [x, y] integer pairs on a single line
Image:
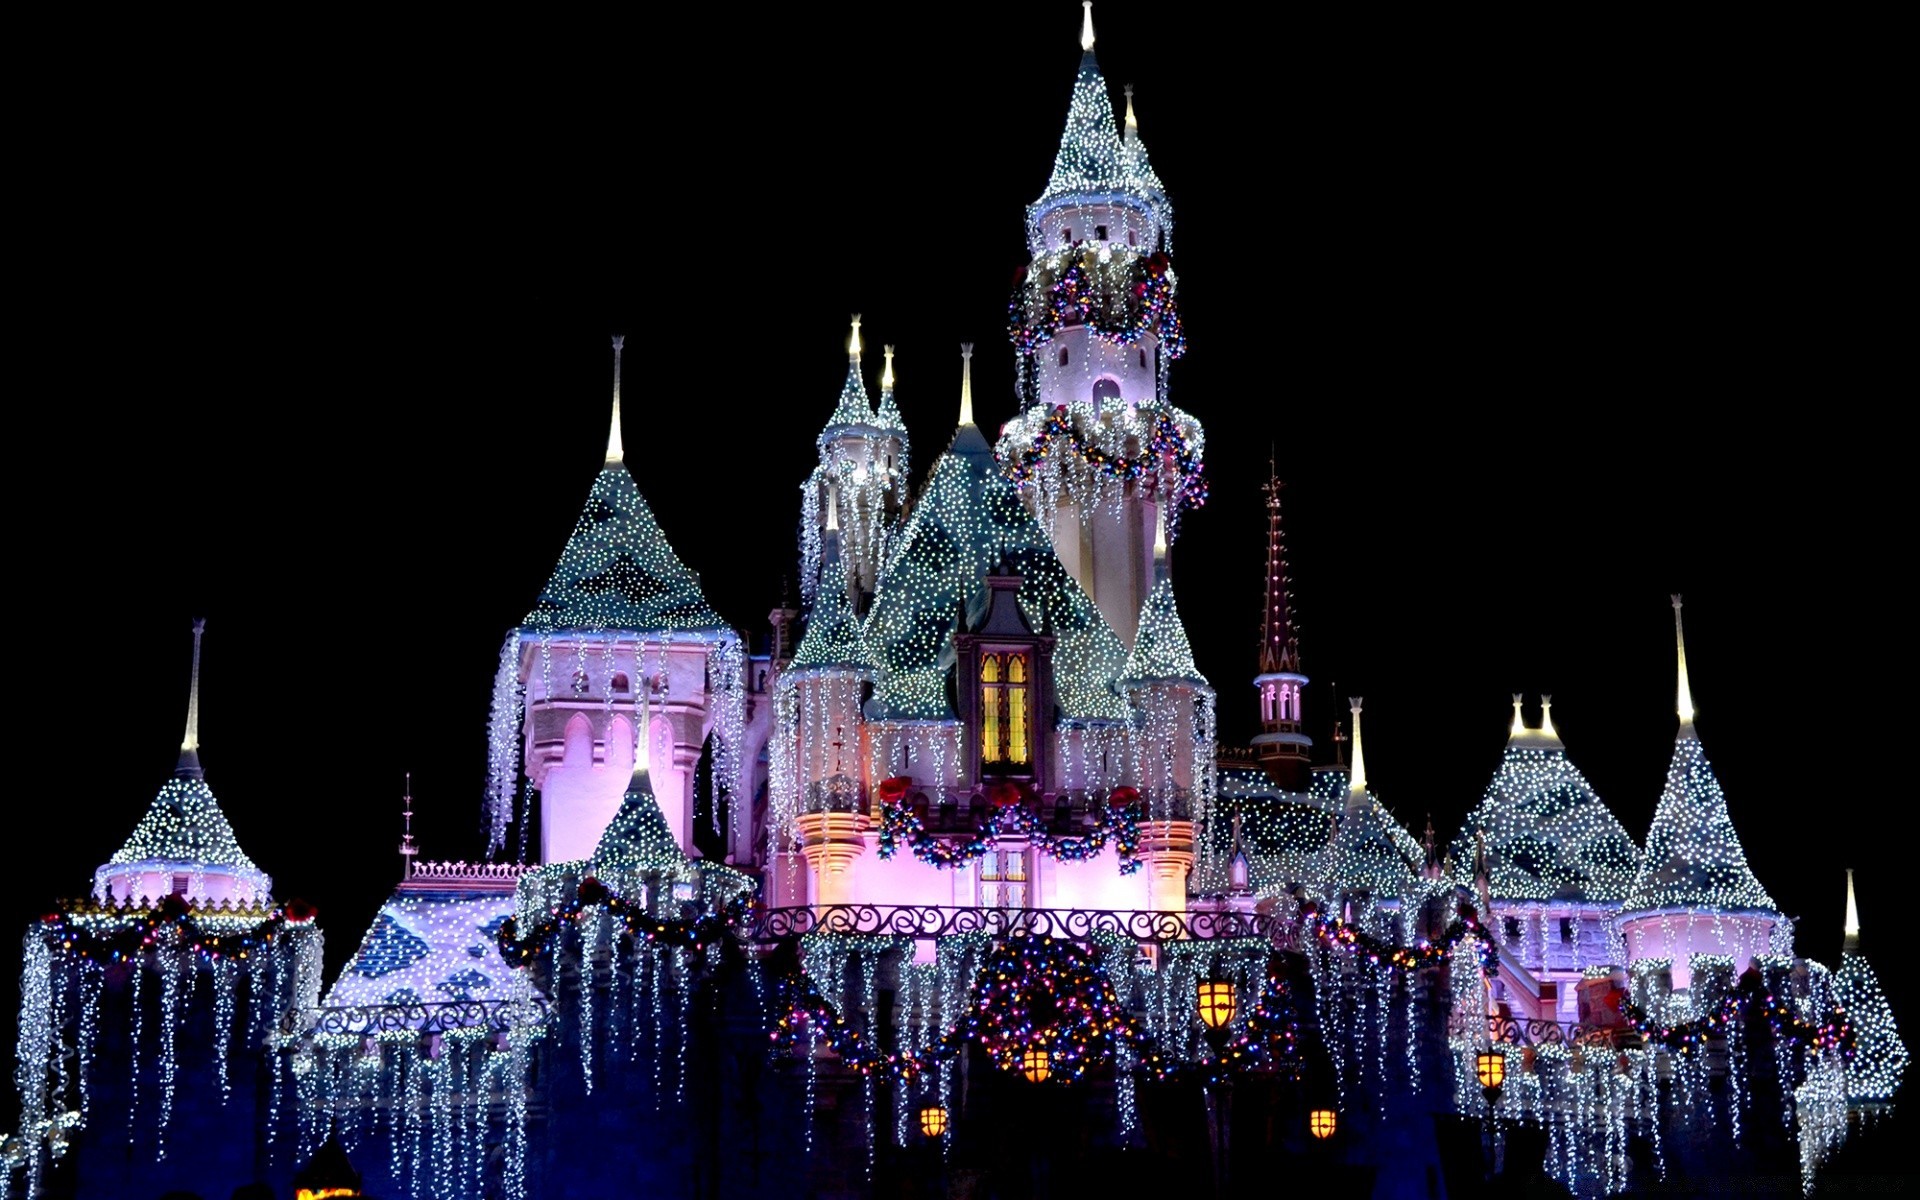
{"points": [[819, 693], [1694, 892], [619, 616], [862, 475], [1166, 686], [1097, 451], [184, 846], [1281, 747]]}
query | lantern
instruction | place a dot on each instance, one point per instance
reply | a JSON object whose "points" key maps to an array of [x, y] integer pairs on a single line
{"points": [[933, 1120], [1036, 1064], [1321, 1122], [1490, 1066], [1216, 1003]]}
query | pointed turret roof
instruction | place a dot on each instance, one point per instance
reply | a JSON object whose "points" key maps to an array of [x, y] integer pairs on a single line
{"points": [[1161, 652], [969, 523], [1693, 858], [855, 410], [1133, 154], [184, 828], [1369, 849], [1879, 1056], [618, 571], [1279, 641], [1548, 834], [1094, 163], [835, 636], [638, 836], [888, 415]]}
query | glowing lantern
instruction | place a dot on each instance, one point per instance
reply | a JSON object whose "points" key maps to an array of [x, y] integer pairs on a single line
{"points": [[1321, 1122], [1036, 1064], [1216, 1003], [1490, 1066], [933, 1120]]}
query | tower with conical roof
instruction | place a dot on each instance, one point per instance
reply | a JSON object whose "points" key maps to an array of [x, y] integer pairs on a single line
{"points": [[1879, 1056], [1282, 747], [620, 614], [862, 475], [1096, 450], [1694, 892], [184, 846]]}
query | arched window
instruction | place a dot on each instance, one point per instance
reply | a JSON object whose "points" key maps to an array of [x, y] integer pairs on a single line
{"points": [[620, 684], [1063, 356], [1006, 715], [992, 699], [1105, 390], [1266, 703]]}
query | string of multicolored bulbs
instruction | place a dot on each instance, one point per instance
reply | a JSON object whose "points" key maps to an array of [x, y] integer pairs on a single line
{"points": [[1118, 822]]}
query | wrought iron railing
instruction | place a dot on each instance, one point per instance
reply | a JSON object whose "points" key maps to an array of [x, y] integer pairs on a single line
{"points": [[440, 1016], [937, 921], [1534, 1031]]}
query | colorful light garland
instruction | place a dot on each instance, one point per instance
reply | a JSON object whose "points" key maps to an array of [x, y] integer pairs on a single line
{"points": [[1118, 822]]}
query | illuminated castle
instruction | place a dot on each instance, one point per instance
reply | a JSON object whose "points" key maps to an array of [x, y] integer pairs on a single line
{"points": [[846, 913]]}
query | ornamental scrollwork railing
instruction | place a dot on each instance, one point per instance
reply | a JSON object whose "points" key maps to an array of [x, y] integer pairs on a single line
{"points": [[1535, 1031], [438, 1016], [925, 921]]}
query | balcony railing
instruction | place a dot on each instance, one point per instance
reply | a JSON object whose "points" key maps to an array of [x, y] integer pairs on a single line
{"points": [[925, 921]]}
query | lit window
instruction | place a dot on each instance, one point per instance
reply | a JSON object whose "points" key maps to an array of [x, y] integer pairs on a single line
{"points": [[1003, 878], [1006, 718], [1100, 233]]}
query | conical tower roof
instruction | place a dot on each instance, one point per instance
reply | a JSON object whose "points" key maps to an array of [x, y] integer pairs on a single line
{"points": [[969, 522], [1094, 163], [1548, 834], [183, 828], [1879, 1055], [1161, 651], [617, 571], [638, 836], [854, 411], [835, 637], [1693, 858], [887, 416]]}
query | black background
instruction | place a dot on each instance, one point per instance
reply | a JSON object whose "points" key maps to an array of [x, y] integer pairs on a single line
{"points": [[1543, 318]]}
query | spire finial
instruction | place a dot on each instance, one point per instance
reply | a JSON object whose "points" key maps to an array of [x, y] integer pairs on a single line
{"points": [[1357, 778], [407, 849], [190, 744], [615, 453], [643, 746], [1133, 124], [1519, 722], [833, 510], [853, 344], [1086, 27], [886, 373], [1339, 746], [1159, 543], [1683, 695], [966, 383], [1850, 942], [1546, 715]]}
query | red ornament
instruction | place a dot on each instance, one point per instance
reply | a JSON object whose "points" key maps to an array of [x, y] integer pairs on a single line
{"points": [[299, 911], [1123, 797], [1004, 793], [892, 791]]}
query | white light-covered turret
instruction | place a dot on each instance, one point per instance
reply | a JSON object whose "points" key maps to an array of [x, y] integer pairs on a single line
{"points": [[1097, 449], [863, 464], [1694, 892], [184, 846], [1879, 1055]]}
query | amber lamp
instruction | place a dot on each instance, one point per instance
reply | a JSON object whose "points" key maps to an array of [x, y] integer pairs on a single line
{"points": [[1036, 1064], [1216, 1003], [933, 1120], [1321, 1122], [1490, 1066]]}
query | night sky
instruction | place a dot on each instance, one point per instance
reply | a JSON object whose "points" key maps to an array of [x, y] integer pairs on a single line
{"points": [[1540, 324]]}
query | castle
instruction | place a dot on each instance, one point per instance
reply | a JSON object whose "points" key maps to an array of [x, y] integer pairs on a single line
{"points": [[956, 851]]}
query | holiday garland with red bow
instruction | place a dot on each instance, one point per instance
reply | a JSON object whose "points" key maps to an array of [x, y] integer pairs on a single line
{"points": [[1012, 816]]}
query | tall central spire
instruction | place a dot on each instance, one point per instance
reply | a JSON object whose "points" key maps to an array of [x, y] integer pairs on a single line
{"points": [[1086, 25], [1683, 695], [190, 742], [1357, 776], [616, 453], [966, 383], [1279, 646]]}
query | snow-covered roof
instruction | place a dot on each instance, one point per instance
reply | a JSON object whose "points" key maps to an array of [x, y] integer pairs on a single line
{"points": [[184, 829], [969, 522], [1548, 835], [1161, 651], [617, 571], [430, 947], [1693, 857]]}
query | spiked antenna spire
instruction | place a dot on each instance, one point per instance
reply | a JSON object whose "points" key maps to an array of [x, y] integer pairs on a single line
{"points": [[1546, 715], [966, 383], [407, 849], [1086, 25], [1357, 777], [886, 372], [1133, 123], [853, 344], [190, 743], [1850, 941], [615, 452], [1683, 695], [1519, 725]]}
